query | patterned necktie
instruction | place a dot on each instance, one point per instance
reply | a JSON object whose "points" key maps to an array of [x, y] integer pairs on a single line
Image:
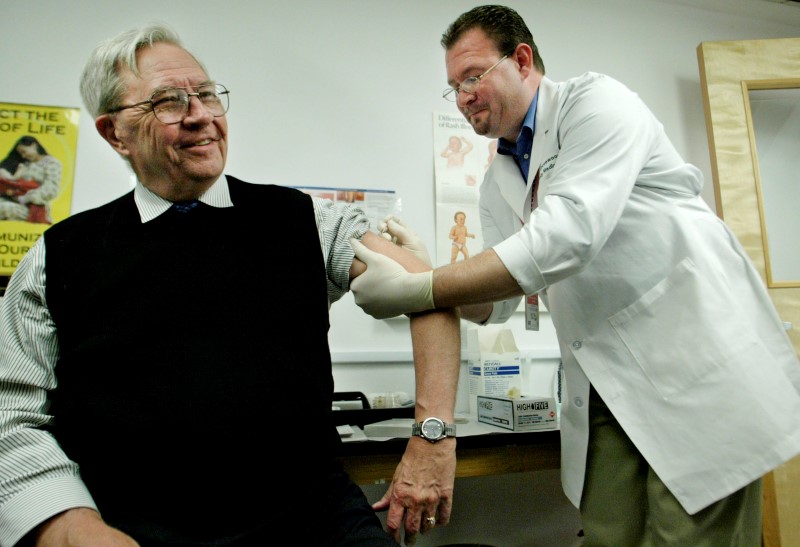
{"points": [[185, 206]]}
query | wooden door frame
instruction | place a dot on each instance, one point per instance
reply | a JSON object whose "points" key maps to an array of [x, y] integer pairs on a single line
{"points": [[723, 68]]}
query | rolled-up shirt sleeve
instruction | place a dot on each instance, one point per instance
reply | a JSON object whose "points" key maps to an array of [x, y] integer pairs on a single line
{"points": [[337, 224]]}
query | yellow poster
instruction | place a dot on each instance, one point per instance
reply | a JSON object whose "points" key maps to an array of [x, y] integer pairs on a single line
{"points": [[37, 164]]}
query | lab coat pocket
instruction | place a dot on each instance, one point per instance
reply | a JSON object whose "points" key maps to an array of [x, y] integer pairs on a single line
{"points": [[680, 331]]}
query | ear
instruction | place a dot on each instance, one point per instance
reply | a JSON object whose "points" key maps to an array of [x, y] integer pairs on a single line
{"points": [[107, 128], [523, 56]]}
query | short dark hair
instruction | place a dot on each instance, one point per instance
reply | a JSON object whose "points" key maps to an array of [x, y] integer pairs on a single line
{"points": [[501, 24]]}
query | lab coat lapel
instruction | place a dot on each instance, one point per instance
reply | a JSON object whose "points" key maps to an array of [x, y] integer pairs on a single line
{"points": [[512, 189], [545, 144]]}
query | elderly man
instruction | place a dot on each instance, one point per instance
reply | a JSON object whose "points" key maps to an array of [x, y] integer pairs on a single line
{"points": [[141, 342]]}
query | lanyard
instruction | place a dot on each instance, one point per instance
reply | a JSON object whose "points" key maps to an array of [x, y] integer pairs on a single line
{"points": [[534, 194], [532, 301]]}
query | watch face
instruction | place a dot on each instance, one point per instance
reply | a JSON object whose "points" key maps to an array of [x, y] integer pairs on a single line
{"points": [[432, 429]]}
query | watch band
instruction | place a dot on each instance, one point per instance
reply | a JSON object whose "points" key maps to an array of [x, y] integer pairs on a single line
{"points": [[442, 429], [449, 429]]}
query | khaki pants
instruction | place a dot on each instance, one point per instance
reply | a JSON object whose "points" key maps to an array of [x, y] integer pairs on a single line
{"points": [[624, 503]]}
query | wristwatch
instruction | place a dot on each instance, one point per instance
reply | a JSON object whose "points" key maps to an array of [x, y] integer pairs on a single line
{"points": [[433, 429]]}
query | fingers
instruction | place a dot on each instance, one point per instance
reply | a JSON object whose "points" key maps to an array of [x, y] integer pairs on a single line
{"points": [[398, 230], [418, 523], [394, 225], [356, 245], [363, 253], [382, 225], [411, 522], [384, 503], [394, 520], [444, 511], [390, 230], [428, 523], [397, 220], [386, 230]]}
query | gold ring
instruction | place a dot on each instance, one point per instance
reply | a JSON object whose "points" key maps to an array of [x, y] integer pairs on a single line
{"points": [[431, 521]]}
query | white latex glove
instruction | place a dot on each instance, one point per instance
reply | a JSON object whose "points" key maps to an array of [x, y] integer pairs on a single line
{"points": [[386, 289], [395, 230]]}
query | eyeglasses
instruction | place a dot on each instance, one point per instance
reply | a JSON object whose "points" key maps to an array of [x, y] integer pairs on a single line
{"points": [[470, 85], [172, 105]]}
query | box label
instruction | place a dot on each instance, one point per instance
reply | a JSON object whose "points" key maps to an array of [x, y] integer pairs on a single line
{"points": [[518, 414]]}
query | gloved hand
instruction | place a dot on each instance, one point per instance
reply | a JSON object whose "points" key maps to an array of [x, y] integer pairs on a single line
{"points": [[395, 230], [386, 289]]}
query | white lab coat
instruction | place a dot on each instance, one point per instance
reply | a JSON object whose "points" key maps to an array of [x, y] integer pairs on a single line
{"points": [[653, 299]]}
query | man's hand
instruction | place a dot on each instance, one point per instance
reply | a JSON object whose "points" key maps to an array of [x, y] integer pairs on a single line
{"points": [[422, 489], [386, 289], [395, 230], [80, 527]]}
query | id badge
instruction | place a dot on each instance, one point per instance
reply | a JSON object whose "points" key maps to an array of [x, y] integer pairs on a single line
{"points": [[532, 312]]}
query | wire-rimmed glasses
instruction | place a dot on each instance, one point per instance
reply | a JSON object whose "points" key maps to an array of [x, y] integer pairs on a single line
{"points": [[470, 85], [171, 105]]}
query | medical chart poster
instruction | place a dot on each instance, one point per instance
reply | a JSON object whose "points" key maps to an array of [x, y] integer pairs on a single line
{"points": [[376, 204], [461, 158], [38, 146]]}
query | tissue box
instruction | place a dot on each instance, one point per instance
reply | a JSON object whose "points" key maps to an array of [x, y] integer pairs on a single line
{"points": [[493, 365], [518, 414]]}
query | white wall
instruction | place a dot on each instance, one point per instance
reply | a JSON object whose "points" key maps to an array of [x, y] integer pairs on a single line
{"points": [[341, 93]]}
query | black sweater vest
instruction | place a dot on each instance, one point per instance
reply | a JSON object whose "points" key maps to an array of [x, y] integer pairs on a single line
{"points": [[187, 344]]}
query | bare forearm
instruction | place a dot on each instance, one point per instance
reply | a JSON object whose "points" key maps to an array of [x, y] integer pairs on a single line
{"points": [[482, 279], [436, 339]]}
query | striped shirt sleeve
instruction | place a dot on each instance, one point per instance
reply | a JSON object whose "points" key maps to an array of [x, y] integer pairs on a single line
{"points": [[37, 480], [337, 224]]}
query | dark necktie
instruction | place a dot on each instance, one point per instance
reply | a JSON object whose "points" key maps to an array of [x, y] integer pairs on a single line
{"points": [[185, 206]]}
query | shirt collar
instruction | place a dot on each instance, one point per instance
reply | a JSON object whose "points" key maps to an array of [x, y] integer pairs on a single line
{"points": [[525, 138], [151, 205]]}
